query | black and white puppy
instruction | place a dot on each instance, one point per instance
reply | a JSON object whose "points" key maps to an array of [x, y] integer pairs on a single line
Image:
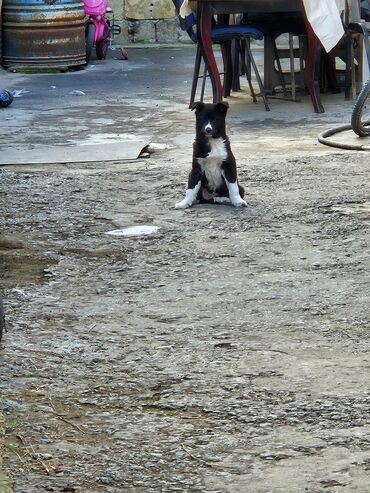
{"points": [[213, 177]]}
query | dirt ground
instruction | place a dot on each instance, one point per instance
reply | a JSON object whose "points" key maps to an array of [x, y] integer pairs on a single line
{"points": [[228, 352]]}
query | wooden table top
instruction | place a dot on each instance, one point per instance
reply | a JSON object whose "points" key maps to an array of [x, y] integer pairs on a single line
{"points": [[238, 6]]}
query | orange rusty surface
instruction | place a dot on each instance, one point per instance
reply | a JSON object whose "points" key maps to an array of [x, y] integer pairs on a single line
{"points": [[43, 34]]}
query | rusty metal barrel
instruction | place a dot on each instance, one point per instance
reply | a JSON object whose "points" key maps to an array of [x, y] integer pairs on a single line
{"points": [[43, 33]]}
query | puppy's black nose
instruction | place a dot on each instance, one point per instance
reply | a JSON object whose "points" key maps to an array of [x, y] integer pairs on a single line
{"points": [[208, 130]]}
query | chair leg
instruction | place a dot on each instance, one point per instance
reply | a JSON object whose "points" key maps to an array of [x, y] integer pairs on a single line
{"points": [[198, 59], [205, 73], [262, 89], [292, 68], [279, 68], [302, 57], [247, 68], [227, 62], [242, 56], [354, 67], [313, 64], [235, 85], [331, 73], [349, 62]]}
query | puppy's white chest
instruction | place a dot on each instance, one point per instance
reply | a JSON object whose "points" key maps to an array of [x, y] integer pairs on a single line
{"points": [[211, 164], [216, 155]]}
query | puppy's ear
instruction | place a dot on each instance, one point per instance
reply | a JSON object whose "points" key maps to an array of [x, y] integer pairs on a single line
{"points": [[222, 107], [199, 106]]}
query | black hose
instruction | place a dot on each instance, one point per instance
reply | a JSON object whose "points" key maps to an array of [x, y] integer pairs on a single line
{"points": [[349, 147]]}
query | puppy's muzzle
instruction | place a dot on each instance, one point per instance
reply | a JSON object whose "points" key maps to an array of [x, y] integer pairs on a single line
{"points": [[208, 129]]}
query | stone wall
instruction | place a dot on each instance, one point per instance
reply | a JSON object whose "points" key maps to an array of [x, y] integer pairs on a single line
{"points": [[151, 21]]}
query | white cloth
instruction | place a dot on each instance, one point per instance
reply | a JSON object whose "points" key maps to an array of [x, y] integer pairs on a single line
{"points": [[323, 15]]}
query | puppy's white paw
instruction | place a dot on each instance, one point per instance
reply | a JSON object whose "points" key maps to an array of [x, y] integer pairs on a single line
{"points": [[239, 202], [184, 204]]}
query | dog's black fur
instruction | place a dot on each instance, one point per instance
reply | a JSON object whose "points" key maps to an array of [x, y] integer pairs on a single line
{"points": [[214, 175]]}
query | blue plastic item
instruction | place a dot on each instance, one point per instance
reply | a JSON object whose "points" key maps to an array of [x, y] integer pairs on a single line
{"points": [[6, 98]]}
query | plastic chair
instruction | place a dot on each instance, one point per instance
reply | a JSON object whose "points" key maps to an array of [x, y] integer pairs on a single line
{"points": [[223, 35]]}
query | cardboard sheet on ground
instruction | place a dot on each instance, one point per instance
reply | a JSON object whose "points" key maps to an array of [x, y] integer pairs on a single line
{"points": [[117, 151]]}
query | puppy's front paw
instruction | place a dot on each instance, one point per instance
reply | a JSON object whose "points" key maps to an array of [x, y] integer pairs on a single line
{"points": [[239, 202], [184, 204]]}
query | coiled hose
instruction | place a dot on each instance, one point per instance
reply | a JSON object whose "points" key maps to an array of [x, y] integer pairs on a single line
{"points": [[323, 138]]}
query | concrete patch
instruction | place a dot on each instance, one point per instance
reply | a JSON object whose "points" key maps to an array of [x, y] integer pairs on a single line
{"points": [[122, 151]]}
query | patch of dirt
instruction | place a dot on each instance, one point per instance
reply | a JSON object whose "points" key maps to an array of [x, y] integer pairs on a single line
{"points": [[225, 352], [229, 351], [20, 269], [21, 263], [360, 211]]}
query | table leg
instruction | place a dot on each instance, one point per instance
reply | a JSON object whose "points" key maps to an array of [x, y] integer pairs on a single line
{"points": [[228, 68], [223, 20], [204, 18], [313, 68]]}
